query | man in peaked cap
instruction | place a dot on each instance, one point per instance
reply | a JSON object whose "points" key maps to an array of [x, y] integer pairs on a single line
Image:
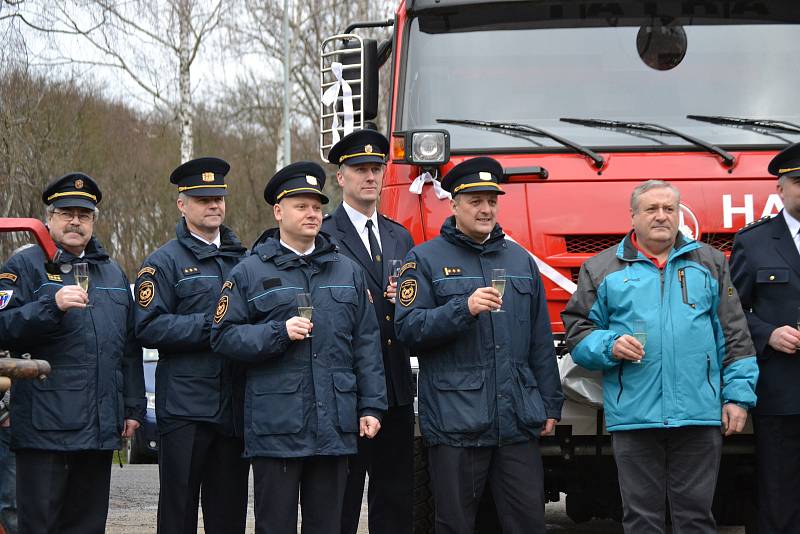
{"points": [[371, 239], [312, 387], [67, 427], [488, 382], [765, 267], [199, 393]]}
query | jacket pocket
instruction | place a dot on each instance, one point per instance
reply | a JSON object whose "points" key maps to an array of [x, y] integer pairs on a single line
{"points": [[276, 403], [698, 381], [194, 393], [530, 407], [772, 276], [520, 300], [61, 402], [448, 288], [277, 304], [460, 402], [346, 393]]}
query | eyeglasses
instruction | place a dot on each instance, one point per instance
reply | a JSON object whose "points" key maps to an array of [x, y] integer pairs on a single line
{"points": [[67, 216]]}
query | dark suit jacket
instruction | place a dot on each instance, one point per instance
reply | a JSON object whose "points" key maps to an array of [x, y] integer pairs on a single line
{"points": [[395, 244], [765, 268]]}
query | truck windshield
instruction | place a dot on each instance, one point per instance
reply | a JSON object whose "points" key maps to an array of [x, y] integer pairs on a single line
{"points": [[536, 76]]}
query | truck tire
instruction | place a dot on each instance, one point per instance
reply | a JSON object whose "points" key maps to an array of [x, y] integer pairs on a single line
{"points": [[423, 493]]}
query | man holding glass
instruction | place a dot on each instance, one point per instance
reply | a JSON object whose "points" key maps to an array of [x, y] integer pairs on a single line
{"points": [[488, 382], [198, 392], [374, 242], [67, 427], [313, 384], [670, 383], [765, 268]]}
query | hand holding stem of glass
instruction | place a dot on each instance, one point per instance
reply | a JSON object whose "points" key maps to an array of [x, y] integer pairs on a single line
{"points": [[81, 272], [394, 270], [640, 333], [499, 283], [304, 307]]}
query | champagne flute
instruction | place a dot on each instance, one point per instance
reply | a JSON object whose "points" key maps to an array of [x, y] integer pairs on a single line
{"points": [[499, 283], [304, 307], [81, 272], [640, 334], [394, 270]]}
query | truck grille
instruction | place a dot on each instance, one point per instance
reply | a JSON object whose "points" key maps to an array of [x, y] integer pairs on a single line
{"points": [[592, 244]]}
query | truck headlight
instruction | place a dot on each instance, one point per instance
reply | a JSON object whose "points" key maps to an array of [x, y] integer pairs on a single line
{"points": [[429, 147]]}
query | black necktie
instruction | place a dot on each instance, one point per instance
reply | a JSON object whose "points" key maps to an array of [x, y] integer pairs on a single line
{"points": [[374, 247]]}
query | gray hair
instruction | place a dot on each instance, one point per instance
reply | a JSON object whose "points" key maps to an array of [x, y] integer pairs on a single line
{"points": [[183, 197], [648, 186]]}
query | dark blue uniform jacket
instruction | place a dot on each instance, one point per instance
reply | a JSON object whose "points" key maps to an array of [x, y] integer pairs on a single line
{"points": [[303, 398], [193, 383], [765, 268], [487, 380], [97, 379]]}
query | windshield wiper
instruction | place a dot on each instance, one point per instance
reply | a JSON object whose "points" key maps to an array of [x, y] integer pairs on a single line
{"points": [[727, 158], [530, 130], [757, 124]]}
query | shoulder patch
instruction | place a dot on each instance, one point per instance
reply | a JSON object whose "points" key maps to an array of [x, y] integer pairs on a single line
{"points": [[222, 309], [54, 277], [5, 297], [406, 266], [146, 270], [147, 290], [227, 285], [408, 292], [755, 223], [8, 276]]}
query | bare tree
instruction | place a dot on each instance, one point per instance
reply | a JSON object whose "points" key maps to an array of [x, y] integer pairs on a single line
{"points": [[154, 44]]}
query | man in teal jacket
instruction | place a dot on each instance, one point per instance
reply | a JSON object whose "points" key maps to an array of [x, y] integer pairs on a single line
{"points": [[667, 392]]}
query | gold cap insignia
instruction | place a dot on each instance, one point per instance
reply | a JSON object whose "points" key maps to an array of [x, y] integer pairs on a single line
{"points": [[208, 176], [485, 176], [78, 184], [312, 180], [368, 149], [146, 293]]}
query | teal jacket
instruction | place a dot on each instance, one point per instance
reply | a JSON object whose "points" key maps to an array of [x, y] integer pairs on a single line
{"points": [[698, 353]]}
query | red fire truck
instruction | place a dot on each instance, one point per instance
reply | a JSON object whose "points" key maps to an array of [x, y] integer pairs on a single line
{"points": [[579, 101]]}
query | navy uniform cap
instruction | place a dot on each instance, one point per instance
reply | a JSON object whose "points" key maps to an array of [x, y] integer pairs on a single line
{"points": [[787, 162], [73, 190], [300, 178], [361, 146], [201, 177], [474, 175]]}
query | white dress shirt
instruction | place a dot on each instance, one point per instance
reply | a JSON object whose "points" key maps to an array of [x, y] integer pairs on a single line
{"points": [[794, 228], [306, 253], [216, 242], [359, 221]]}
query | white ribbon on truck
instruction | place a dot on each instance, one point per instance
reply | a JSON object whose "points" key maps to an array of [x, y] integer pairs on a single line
{"points": [[330, 97]]}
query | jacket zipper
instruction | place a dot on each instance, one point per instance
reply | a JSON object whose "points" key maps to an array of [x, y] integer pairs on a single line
{"points": [[684, 288], [619, 377], [708, 374]]}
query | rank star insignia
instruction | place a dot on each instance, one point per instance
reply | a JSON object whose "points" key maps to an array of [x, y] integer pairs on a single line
{"points": [[146, 293], [222, 309], [408, 292], [208, 176], [54, 277], [368, 149], [78, 184], [452, 271]]}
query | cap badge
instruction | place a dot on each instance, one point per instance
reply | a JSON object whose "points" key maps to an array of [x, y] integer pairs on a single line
{"points": [[208, 176], [368, 149], [485, 176], [312, 180], [78, 184]]}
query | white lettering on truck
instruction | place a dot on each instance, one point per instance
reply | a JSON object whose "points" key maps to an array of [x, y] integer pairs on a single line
{"points": [[771, 207]]}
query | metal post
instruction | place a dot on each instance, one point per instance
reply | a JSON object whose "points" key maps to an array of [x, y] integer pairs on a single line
{"points": [[287, 136]]}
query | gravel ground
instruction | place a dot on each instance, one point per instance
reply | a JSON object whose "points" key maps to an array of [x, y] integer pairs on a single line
{"points": [[134, 503]]}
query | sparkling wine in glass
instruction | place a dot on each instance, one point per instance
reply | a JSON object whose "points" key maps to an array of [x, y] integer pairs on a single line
{"points": [[640, 333], [499, 283], [394, 270], [81, 272], [304, 307]]}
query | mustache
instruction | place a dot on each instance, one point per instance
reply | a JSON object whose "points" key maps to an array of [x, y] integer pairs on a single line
{"points": [[74, 229]]}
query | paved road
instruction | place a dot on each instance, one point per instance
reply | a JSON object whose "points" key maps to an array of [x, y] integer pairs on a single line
{"points": [[134, 503]]}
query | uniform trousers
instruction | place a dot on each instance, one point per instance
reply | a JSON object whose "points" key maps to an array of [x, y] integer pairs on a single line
{"points": [[389, 460], [778, 465], [62, 492], [198, 456], [516, 479], [318, 480], [675, 464]]}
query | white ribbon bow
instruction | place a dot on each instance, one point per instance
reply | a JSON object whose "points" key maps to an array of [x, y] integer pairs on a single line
{"points": [[425, 178], [330, 96]]}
